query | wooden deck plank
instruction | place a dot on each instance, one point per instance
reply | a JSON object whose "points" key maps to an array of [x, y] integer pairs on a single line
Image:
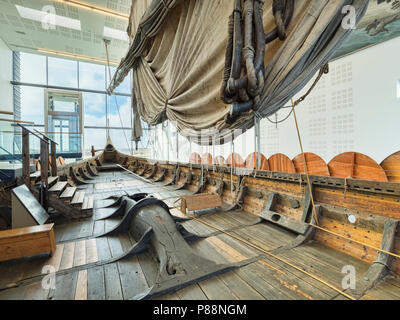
{"points": [[215, 289], [115, 246], [58, 187], [91, 251], [72, 231], [103, 249], [96, 285], [68, 193], [112, 282], [13, 294], [35, 291], [65, 286], [55, 260], [98, 228], [192, 292], [133, 281], [67, 260], [239, 287], [80, 253], [78, 198], [87, 203], [81, 286]]}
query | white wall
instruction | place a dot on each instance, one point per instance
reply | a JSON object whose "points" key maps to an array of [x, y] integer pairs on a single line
{"points": [[353, 108], [6, 95]]}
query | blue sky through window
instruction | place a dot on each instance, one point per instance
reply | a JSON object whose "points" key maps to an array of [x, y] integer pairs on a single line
{"points": [[97, 107]]}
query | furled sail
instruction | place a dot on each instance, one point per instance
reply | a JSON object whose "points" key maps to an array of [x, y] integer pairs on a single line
{"points": [[181, 52]]}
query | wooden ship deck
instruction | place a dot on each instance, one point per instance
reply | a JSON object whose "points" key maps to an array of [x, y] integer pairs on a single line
{"points": [[264, 230]]}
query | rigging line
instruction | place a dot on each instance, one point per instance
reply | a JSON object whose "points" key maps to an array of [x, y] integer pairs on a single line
{"points": [[277, 258], [281, 121], [305, 164], [115, 97]]}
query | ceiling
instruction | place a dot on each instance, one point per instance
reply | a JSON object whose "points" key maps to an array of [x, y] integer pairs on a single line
{"points": [[73, 30]]}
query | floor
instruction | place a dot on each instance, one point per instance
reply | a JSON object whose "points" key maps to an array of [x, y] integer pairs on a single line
{"points": [[82, 273]]}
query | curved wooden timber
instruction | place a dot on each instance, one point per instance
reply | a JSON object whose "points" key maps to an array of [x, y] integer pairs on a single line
{"points": [[315, 164], [219, 161], [257, 161], [281, 163], [391, 165], [357, 166], [235, 160], [207, 159], [357, 222], [195, 158]]}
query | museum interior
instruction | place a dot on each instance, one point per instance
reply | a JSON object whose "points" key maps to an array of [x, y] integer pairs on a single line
{"points": [[199, 150]]}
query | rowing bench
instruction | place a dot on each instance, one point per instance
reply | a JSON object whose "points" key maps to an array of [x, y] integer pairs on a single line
{"points": [[28, 241], [200, 201]]}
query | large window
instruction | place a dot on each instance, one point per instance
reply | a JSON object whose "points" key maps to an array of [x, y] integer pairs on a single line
{"points": [[89, 78], [125, 86], [62, 72], [94, 105], [119, 110], [92, 76], [32, 104], [33, 68]]}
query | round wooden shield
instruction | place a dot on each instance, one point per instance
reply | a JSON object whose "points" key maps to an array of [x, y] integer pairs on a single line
{"points": [[357, 166], [315, 164], [252, 161]]}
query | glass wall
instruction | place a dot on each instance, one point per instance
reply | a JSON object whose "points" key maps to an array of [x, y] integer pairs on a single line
{"points": [[89, 78]]}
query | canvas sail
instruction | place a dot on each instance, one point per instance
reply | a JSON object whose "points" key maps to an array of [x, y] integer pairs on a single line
{"points": [[178, 52]]}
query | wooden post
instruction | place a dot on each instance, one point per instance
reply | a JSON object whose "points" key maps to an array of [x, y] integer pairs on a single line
{"points": [[44, 170], [26, 158], [53, 159]]}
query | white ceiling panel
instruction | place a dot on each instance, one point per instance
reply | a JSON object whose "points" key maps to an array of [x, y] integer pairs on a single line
{"points": [[66, 28]]}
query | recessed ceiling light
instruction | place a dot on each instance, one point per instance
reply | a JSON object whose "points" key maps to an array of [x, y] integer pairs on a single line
{"points": [[95, 8], [75, 56], [115, 34], [47, 18]]}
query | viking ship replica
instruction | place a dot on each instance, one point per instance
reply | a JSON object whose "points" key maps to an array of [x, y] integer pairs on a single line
{"points": [[118, 226]]}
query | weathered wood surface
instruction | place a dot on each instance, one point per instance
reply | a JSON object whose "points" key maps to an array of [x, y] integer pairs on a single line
{"points": [[257, 161], [391, 165], [235, 160], [281, 163], [357, 166], [200, 202], [264, 278], [23, 242], [195, 158], [315, 164]]}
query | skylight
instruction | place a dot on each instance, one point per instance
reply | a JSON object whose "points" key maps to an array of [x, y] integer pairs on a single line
{"points": [[115, 34], [48, 18]]}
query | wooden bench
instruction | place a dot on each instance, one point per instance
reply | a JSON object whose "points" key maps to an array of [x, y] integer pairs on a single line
{"points": [[200, 201], [28, 241]]}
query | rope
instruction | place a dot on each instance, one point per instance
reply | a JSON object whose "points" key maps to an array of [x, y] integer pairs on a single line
{"points": [[309, 185], [115, 98], [322, 71], [305, 165], [280, 121]]}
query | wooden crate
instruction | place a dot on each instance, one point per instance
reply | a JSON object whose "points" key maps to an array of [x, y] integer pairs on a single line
{"points": [[28, 241]]}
